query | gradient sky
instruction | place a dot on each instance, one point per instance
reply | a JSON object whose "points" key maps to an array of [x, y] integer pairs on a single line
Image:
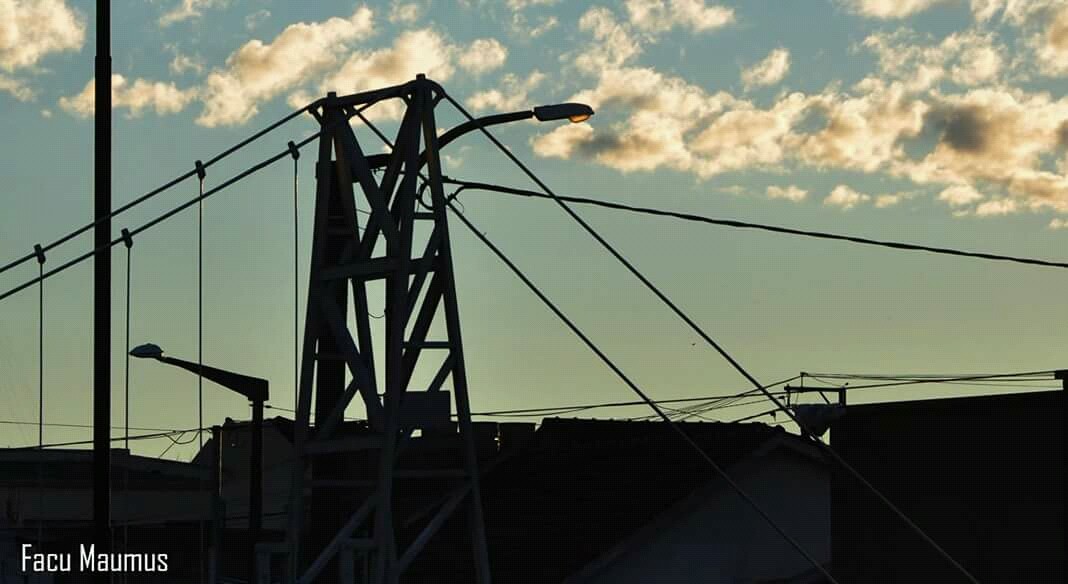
{"points": [[937, 122]]}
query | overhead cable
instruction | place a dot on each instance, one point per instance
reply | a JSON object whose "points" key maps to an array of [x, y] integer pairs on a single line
{"points": [[747, 225]]}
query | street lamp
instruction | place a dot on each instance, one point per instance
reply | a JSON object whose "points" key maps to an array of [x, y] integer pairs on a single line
{"points": [[256, 390], [573, 112]]}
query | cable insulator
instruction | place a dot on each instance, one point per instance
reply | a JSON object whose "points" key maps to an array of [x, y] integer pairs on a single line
{"points": [[38, 251], [127, 238], [201, 173], [293, 150]]}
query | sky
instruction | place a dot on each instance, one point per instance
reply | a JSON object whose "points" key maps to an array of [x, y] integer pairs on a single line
{"points": [[941, 122]]}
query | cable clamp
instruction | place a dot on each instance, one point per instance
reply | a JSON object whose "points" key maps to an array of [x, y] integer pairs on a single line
{"points": [[293, 150], [127, 238], [39, 252], [201, 173]]}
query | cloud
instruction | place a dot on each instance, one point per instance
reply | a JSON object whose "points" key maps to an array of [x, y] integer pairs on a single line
{"points": [[1058, 224], [998, 136], [254, 20], [33, 29], [862, 132], [415, 51], [1051, 45], [960, 195], [663, 111], [182, 63], [790, 193], [614, 44], [141, 95], [259, 71], [663, 15], [996, 207], [512, 94], [483, 55], [891, 9], [404, 12], [188, 9], [845, 198], [769, 71], [16, 88], [521, 4], [967, 59]]}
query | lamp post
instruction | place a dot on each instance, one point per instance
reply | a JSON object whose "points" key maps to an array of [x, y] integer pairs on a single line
{"points": [[256, 390]]}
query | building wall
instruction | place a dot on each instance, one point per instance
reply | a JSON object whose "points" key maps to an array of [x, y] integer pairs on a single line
{"points": [[983, 477], [716, 537]]}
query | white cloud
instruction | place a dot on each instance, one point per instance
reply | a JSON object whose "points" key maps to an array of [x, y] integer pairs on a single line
{"points": [[413, 52], [259, 71], [863, 132], [996, 207], [163, 98], [845, 198], [188, 9], [182, 63], [663, 15], [405, 12], [1051, 45], [790, 193], [513, 93], [521, 4], [960, 195], [32, 29], [254, 20], [483, 55], [615, 44], [891, 9], [16, 88], [1057, 223], [967, 59], [769, 71], [891, 199]]}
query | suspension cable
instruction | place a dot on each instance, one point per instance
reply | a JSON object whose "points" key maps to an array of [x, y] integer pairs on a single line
{"points": [[164, 187], [295, 153], [201, 174], [641, 394], [167, 215], [39, 253], [712, 343], [127, 239]]}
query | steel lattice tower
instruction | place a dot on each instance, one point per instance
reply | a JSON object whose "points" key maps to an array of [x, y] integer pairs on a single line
{"points": [[355, 517]]}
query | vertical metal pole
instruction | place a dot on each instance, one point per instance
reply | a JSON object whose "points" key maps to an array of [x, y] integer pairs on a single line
{"points": [[255, 486], [217, 513], [459, 373], [102, 290]]}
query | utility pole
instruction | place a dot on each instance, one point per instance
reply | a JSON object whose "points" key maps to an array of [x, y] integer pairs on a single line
{"points": [[102, 290]]}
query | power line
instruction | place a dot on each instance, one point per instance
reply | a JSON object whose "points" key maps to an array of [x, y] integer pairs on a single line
{"points": [[634, 387], [711, 342], [167, 434], [759, 226], [622, 404]]}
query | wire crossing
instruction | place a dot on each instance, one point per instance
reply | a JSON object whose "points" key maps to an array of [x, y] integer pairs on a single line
{"points": [[711, 342], [641, 394]]}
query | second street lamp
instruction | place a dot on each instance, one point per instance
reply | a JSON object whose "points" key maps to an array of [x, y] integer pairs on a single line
{"points": [[256, 390]]}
